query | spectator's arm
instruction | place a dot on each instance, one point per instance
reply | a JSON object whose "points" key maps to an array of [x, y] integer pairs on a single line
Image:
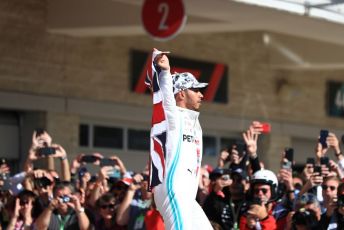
{"points": [[251, 138], [122, 216], [15, 215], [333, 143], [28, 165], [43, 220], [83, 221], [120, 164], [313, 181], [287, 178], [255, 164], [65, 169], [95, 194], [222, 158], [100, 186]]}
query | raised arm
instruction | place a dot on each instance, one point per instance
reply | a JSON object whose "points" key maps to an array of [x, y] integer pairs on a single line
{"points": [[62, 155], [165, 78]]}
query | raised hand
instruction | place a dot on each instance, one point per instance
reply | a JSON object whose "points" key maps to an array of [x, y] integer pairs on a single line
{"points": [[333, 142], [16, 208], [59, 151], [287, 178], [320, 151], [251, 138], [161, 59], [258, 211]]}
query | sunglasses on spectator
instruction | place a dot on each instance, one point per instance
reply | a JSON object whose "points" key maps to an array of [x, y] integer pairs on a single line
{"points": [[257, 190], [108, 206], [23, 202], [325, 187], [225, 177]]}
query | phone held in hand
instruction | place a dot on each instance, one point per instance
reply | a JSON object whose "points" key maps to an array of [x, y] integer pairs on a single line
{"points": [[107, 162], [46, 151], [317, 169], [289, 155], [310, 160], [89, 159], [323, 137], [266, 128], [325, 161]]}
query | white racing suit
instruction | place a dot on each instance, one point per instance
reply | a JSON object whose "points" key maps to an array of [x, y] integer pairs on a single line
{"points": [[175, 198]]}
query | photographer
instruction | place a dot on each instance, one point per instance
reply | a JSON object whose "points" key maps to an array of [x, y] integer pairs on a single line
{"points": [[64, 211]]}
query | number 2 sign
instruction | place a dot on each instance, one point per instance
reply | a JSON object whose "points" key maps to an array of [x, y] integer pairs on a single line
{"points": [[163, 19]]}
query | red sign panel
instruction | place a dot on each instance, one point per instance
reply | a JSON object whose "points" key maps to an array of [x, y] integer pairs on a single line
{"points": [[163, 19], [216, 74]]}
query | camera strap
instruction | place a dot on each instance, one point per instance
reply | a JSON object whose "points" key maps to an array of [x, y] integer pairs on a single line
{"points": [[63, 221]]}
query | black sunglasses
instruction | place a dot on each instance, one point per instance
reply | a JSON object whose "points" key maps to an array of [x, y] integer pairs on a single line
{"points": [[264, 190], [325, 187], [108, 206], [23, 202]]}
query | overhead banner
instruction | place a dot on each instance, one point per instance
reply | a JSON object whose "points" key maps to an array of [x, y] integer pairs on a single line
{"points": [[335, 99], [216, 74]]}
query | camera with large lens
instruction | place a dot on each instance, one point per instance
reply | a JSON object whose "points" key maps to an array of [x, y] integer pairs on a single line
{"points": [[42, 182]]}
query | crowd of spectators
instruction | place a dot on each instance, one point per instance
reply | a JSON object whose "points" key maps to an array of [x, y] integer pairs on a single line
{"points": [[237, 193]]}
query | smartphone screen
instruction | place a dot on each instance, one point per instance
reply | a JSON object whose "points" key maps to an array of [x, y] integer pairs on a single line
{"points": [[323, 137]]}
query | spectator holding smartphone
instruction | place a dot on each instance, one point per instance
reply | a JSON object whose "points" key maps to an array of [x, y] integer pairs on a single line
{"points": [[42, 147]]}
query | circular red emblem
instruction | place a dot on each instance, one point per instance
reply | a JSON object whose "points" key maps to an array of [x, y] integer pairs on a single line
{"points": [[163, 19]]}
